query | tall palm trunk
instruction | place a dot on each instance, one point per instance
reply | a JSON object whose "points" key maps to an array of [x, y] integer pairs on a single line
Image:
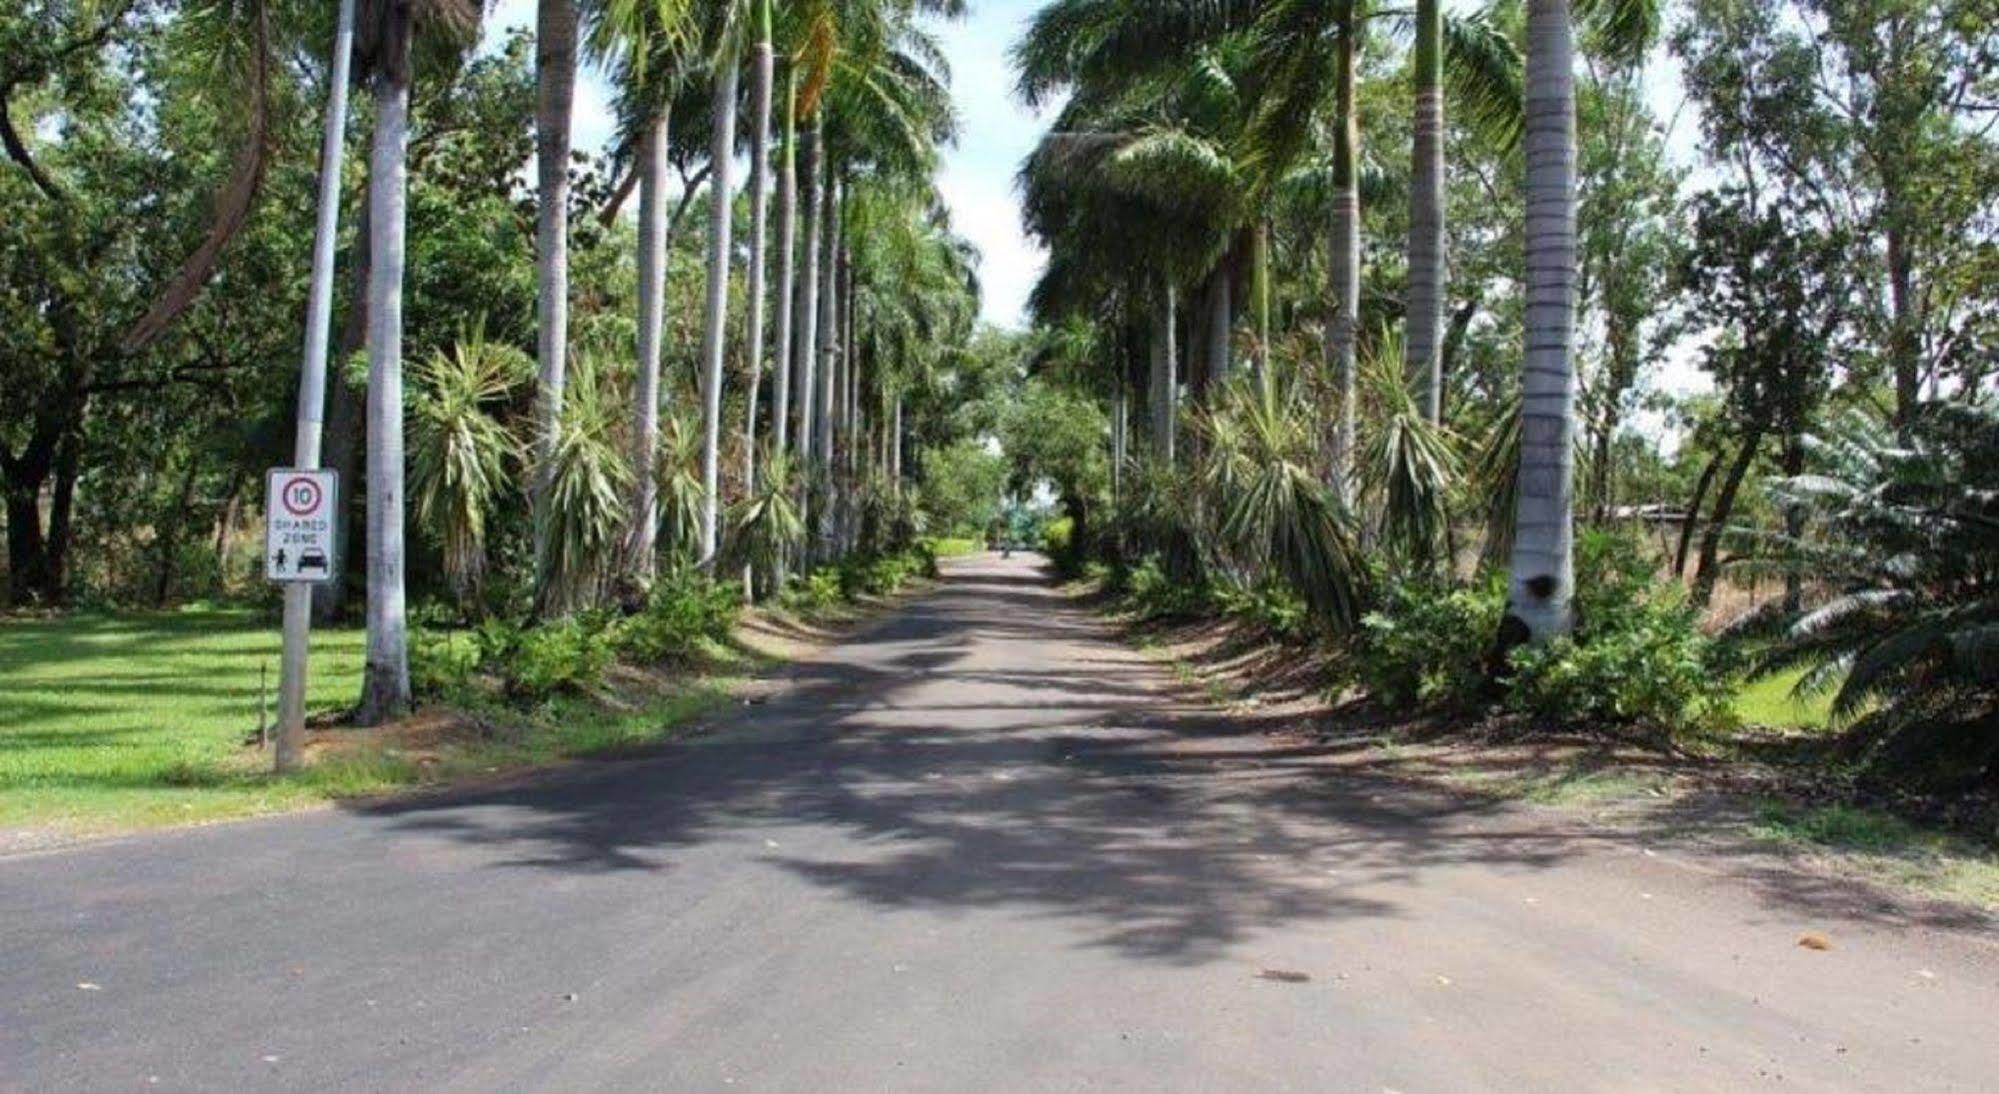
{"points": [[1424, 346], [1345, 260], [1165, 383], [385, 681], [652, 168], [805, 324], [555, 97], [761, 72], [787, 246], [1221, 320], [828, 352], [1543, 566], [715, 322]]}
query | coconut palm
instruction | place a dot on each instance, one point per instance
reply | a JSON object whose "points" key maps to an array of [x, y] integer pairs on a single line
{"points": [[385, 33], [1542, 570]]}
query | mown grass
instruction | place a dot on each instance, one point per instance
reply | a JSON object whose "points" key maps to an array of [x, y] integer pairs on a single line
{"points": [[116, 722]]}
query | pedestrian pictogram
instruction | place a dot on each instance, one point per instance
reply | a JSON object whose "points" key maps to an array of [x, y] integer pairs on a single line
{"points": [[298, 525]]}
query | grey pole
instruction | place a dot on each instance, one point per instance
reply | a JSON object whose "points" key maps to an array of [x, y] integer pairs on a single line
{"points": [[312, 387]]}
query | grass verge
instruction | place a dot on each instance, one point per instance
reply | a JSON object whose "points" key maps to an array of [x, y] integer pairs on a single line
{"points": [[112, 723]]}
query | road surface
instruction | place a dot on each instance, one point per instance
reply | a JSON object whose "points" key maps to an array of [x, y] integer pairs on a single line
{"points": [[977, 847]]}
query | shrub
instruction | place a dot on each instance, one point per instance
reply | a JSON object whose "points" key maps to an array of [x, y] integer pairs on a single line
{"points": [[1428, 643], [1153, 594], [817, 590], [1271, 608], [1637, 655], [1057, 537], [681, 613], [538, 662], [441, 663]]}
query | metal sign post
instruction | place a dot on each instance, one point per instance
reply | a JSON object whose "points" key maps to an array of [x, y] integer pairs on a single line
{"points": [[312, 404]]}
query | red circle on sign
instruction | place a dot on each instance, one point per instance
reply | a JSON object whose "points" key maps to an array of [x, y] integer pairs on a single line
{"points": [[301, 497]]}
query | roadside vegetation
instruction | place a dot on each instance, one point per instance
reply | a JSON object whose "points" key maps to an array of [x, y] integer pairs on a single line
{"points": [[1360, 404]]}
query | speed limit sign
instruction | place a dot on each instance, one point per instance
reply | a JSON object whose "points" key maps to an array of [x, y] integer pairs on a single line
{"points": [[298, 524]]}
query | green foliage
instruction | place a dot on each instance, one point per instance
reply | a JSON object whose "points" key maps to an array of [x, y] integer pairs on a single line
{"points": [[815, 591], [535, 663], [961, 488], [1430, 644], [1057, 537], [683, 612], [1270, 607], [586, 480], [459, 451], [1907, 540], [1151, 593], [1276, 514], [1637, 655]]}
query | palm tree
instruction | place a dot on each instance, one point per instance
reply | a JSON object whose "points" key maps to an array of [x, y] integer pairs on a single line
{"points": [[715, 319], [1542, 581], [386, 29], [761, 69], [555, 96], [1483, 73], [644, 40]]}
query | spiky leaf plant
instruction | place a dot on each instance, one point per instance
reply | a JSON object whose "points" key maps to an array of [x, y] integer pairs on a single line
{"points": [[1273, 513], [586, 480], [461, 454], [1907, 538]]}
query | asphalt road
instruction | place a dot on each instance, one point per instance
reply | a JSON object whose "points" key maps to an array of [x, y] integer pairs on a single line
{"points": [[975, 848]]}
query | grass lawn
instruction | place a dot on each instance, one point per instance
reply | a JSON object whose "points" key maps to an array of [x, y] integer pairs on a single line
{"points": [[113, 722], [1768, 702]]}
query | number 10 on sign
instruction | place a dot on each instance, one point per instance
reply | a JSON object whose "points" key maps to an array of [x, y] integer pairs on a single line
{"points": [[298, 525]]}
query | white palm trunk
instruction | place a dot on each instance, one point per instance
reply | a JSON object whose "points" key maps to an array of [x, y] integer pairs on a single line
{"points": [[787, 246], [761, 70], [1165, 381], [1424, 345], [652, 169], [823, 406], [385, 683], [1543, 565], [805, 325], [1345, 259], [555, 96], [715, 319]]}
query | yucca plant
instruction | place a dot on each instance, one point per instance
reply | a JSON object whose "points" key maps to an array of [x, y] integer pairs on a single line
{"points": [[765, 526], [677, 464], [585, 481], [1907, 535], [1273, 512], [460, 451], [1410, 465]]}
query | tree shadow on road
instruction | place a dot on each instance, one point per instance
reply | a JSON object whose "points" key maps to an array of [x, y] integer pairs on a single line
{"points": [[906, 771]]}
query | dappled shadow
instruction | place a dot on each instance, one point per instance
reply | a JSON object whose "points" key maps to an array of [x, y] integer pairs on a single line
{"points": [[982, 749]]}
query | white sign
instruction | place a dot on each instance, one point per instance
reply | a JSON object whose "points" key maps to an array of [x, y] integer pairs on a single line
{"points": [[298, 524]]}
